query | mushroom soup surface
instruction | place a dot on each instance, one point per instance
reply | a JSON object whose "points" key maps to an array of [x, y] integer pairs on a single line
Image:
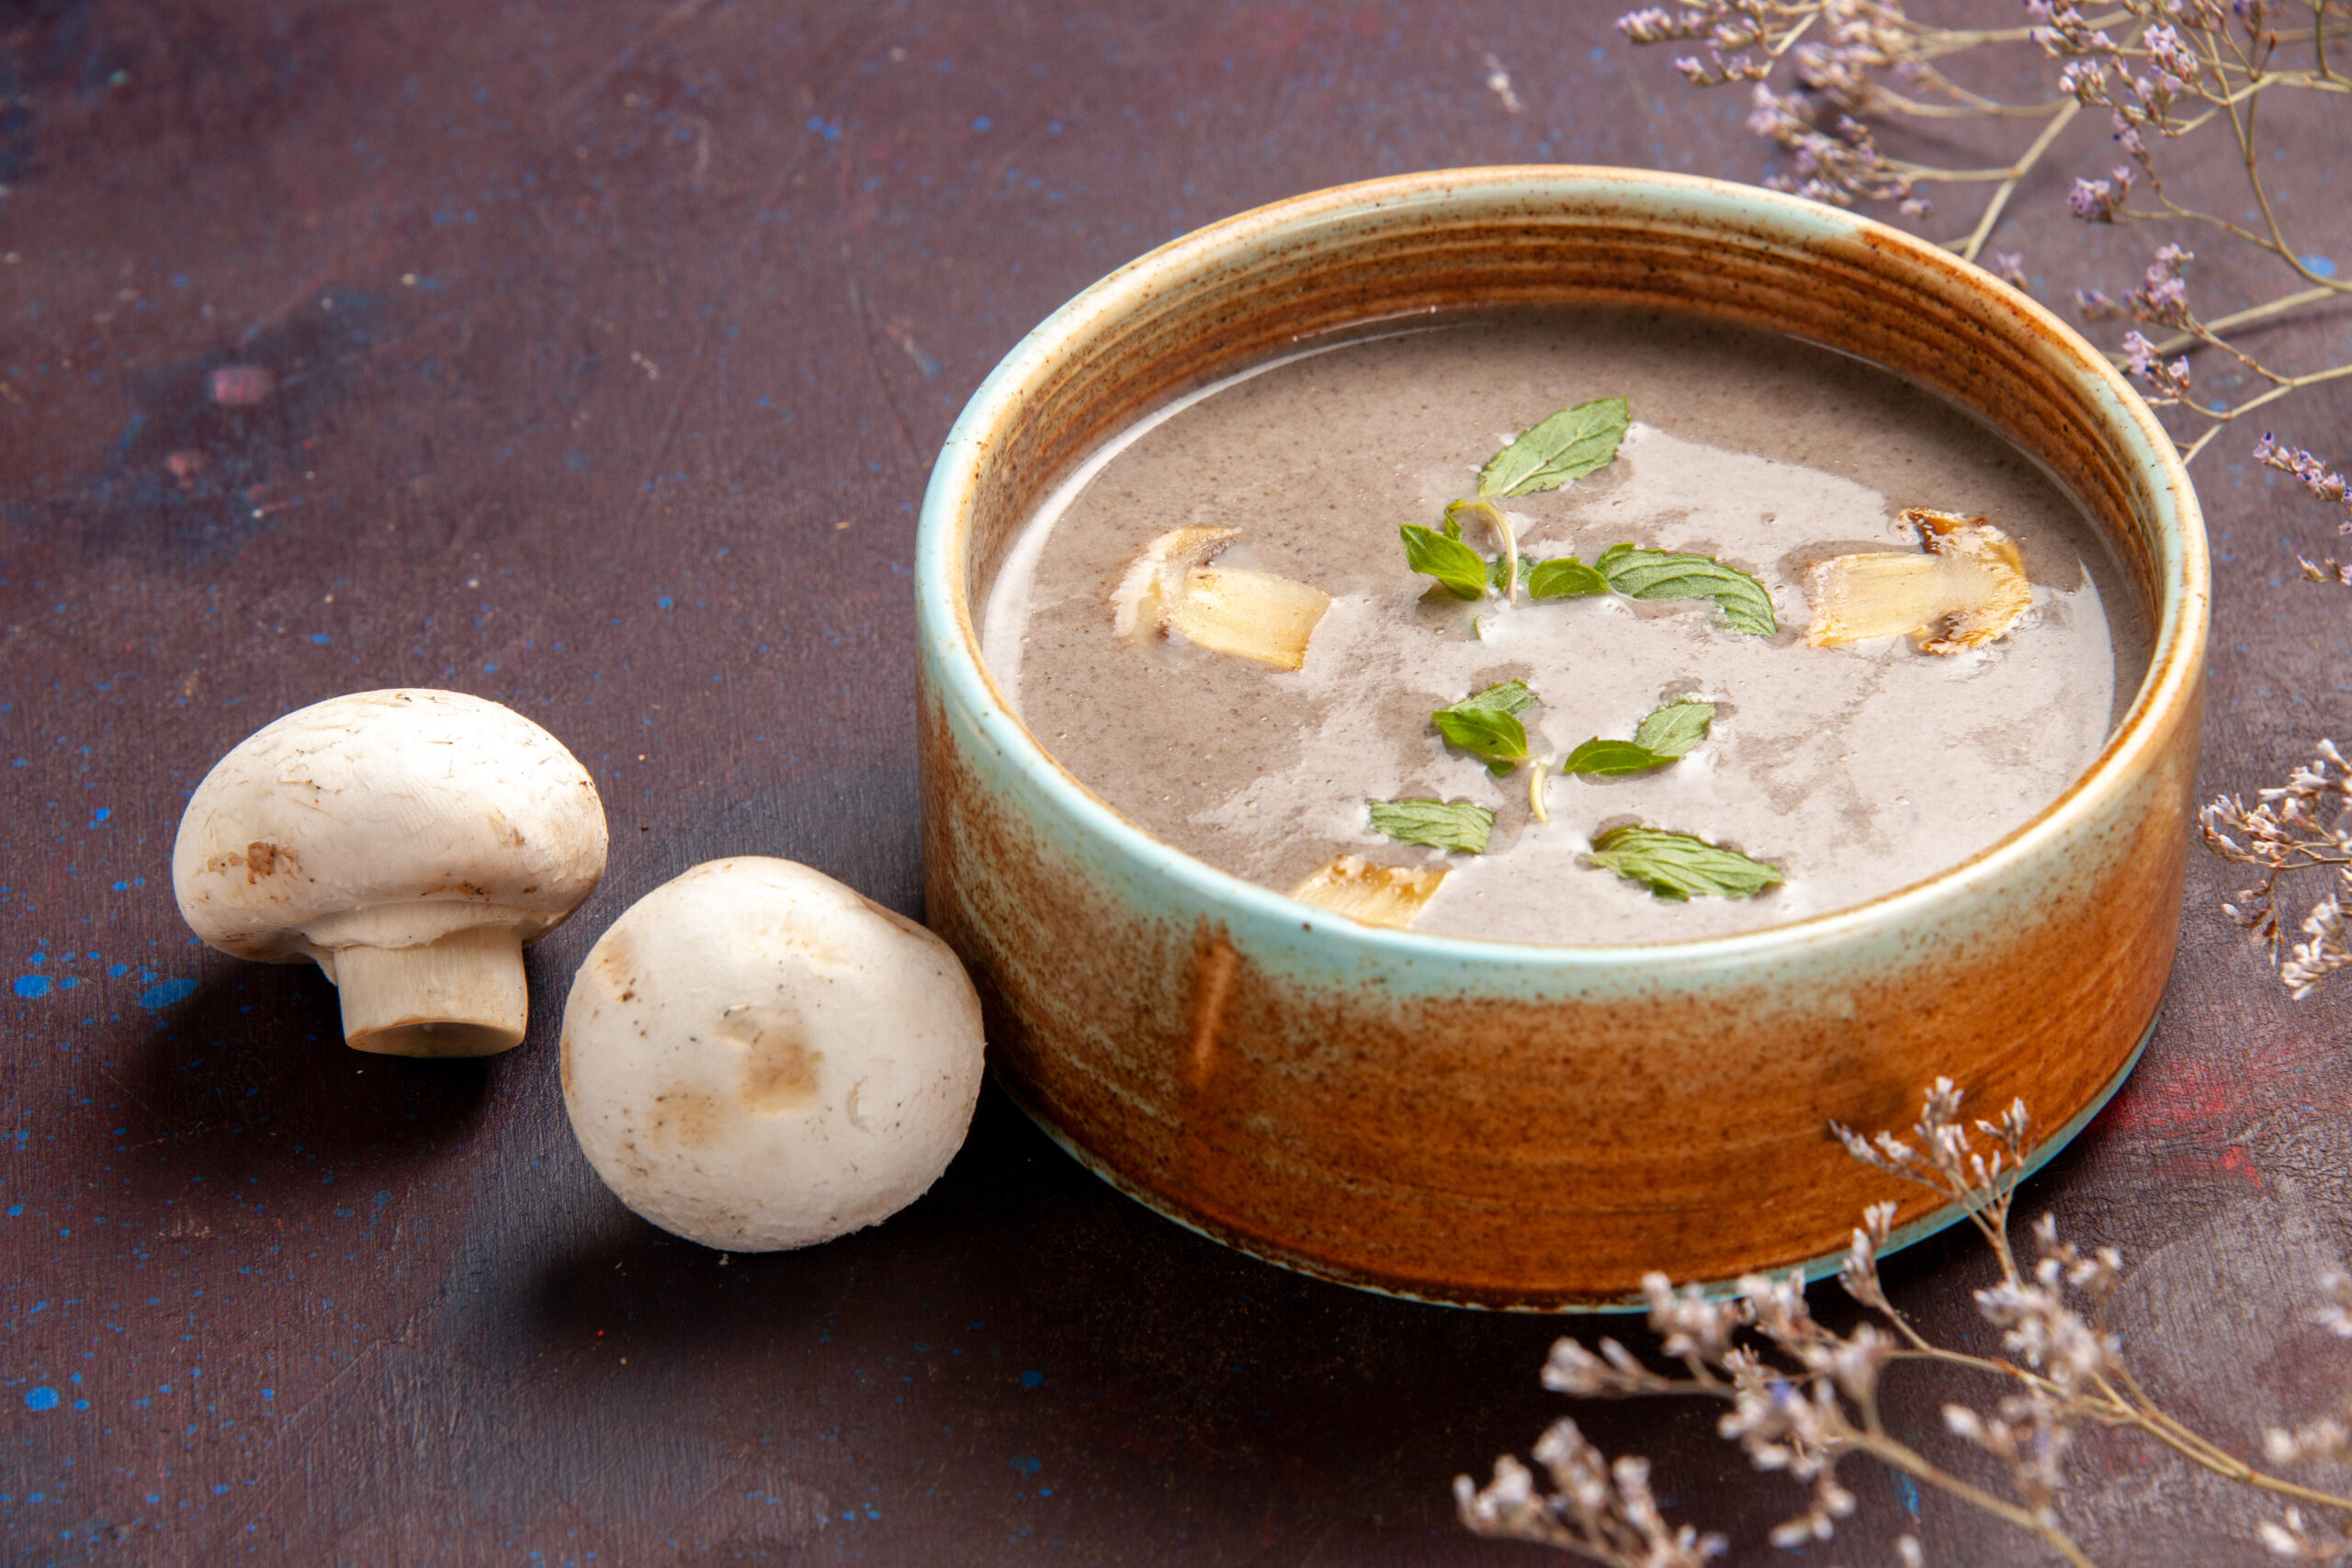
{"points": [[1215, 625]]}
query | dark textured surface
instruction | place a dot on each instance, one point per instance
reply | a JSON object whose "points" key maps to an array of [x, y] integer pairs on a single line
{"points": [[610, 346]]}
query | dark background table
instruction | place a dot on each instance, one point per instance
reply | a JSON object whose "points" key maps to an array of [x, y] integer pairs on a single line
{"points": [[611, 345]]}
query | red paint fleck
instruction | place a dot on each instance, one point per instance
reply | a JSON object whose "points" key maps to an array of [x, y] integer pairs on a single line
{"points": [[240, 386], [2235, 1158]]}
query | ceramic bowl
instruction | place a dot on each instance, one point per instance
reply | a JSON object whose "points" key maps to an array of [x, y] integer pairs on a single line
{"points": [[1518, 1125]]}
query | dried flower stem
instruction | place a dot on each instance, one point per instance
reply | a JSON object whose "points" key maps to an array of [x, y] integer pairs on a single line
{"points": [[2304, 825], [1802, 1398], [1970, 248], [2164, 68]]}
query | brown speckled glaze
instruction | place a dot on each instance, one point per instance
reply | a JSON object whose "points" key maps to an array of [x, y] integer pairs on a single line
{"points": [[1508, 1125]]}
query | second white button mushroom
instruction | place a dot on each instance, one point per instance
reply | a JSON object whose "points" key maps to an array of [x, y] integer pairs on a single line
{"points": [[755, 1057]]}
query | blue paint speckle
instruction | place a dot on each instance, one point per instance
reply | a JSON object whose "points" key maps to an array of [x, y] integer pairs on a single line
{"points": [[32, 985], [321, 638], [15, 1208], [1599, 52], [165, 994], [819, 124], [665, 600], [41, 1399], [1027, 1465], [1032, 1379], [100, 815], [2319, 266], [983, 123]]}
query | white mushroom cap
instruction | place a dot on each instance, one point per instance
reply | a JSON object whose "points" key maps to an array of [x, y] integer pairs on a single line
{"points": [[410, 841], [755, 1057]]}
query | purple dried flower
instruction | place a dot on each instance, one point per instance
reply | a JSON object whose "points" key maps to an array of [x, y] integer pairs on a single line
{"points": [[2317, 478], [2141, 361], [2100, 201], [1649, 25], [2164, 44]]}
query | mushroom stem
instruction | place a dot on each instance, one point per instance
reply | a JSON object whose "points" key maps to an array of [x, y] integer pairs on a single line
{"points": [[461, 995]]}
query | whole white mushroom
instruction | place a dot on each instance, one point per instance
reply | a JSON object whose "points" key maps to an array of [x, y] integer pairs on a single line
{"points": [[756, 1058], [411, 843]]}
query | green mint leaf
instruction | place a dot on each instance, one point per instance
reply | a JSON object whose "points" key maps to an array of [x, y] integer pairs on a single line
{"points": [[1679, 866], [1675, 728], [1484, 726], [1665, 735], [1511, 696], [1441, 825], [1611, 757], [1662, 574], [1461, 570], [1526, 573], [1568, 446], [1563, 577]]}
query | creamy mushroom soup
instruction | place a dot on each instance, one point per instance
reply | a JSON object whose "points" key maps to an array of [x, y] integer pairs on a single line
{"points": [[1221, 626]]}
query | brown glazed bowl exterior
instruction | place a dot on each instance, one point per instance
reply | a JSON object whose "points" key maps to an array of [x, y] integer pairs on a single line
{"points": [[1516, 1125]]}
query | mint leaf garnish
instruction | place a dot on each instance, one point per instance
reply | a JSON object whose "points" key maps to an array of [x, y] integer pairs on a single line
{"points": [[1665, 735], [1682, 865], [1511, 696], [1485, 726], [1675, 729], [1661, 574], [1568, 446], [1611, 757], [1461, 570], [1441, 825], [1526, 572], [1563, 577]]}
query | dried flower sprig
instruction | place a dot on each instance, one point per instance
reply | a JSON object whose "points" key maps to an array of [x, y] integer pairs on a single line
{"points": [[2322, 481], [2303, 825], [1804, 1397], [1595, 1510], [2160, 71]]}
